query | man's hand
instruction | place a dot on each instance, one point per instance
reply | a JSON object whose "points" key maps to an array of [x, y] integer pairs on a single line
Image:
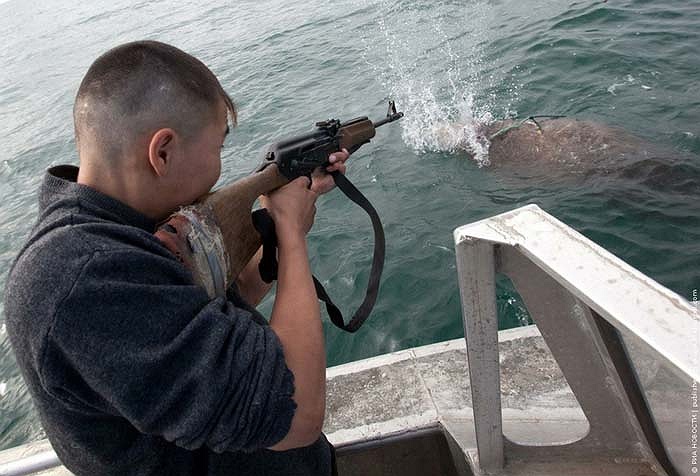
{"points": [[322, 182], [251, 287], [296, 316], [292, 208]]}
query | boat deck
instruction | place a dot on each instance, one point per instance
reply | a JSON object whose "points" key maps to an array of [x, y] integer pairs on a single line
{"points": [[410, 412]]}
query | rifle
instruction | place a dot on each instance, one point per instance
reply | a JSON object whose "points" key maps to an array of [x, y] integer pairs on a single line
{"points": [[217, 236]]}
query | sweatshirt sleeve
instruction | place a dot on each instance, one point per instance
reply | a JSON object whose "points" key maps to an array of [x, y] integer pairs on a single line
{"points": [[149, 346]]}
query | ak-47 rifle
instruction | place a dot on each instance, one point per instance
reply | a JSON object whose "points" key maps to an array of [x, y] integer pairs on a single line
{"points": [[217, 236]]}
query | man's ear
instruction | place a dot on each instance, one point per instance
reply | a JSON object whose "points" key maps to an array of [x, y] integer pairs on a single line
{"points": [[161, 150]]}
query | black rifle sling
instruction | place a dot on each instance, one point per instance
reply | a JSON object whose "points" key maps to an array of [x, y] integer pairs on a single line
{"points": [[268, 264]]}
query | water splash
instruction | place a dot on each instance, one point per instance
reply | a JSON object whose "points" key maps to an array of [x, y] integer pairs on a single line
{"points": [[434, 65], [628, 80]]}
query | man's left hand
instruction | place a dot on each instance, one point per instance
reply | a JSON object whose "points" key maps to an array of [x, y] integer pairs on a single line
{"points": [[321, 180]]}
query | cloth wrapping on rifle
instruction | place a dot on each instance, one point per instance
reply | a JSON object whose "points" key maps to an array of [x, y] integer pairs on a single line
{"points": [[195, 238]]}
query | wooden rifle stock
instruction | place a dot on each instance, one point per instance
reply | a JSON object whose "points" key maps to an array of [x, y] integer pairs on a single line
{"points": [[215, 237], [231, 207]]}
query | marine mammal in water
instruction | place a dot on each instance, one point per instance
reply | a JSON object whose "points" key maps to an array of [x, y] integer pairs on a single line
{"points": [[565, 142], [567, 149]]}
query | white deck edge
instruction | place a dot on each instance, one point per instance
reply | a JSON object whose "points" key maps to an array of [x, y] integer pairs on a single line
{"points": [[422, 351]]}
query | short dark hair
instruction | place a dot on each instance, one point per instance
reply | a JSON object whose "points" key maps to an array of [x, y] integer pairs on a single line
{"points": [[141, 86]]}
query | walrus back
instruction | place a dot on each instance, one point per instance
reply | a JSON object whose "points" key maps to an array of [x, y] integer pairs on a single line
{"points": [[567, 142]]}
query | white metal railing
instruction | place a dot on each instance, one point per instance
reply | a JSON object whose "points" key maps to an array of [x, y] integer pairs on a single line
{"points": [[45, 459], [604, 322]]}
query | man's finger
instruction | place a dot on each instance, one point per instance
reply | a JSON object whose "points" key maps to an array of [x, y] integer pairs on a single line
{"points": [[336, 157], [341, 167], [303, 181]]}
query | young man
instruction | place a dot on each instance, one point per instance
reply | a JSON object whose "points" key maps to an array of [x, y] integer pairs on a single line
{"points": [[133, 369]]}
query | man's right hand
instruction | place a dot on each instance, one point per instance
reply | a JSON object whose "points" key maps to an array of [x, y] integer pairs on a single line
{"points": [[292, 207], [296, 316]]}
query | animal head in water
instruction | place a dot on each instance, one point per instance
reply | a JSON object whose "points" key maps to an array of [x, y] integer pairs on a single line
{"points": [[471, 137]]}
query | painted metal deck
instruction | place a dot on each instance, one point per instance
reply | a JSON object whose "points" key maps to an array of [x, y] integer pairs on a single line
{"points": [[427, 388]]}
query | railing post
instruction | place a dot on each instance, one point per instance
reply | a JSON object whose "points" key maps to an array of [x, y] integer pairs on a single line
{"points": [[476, 274]]}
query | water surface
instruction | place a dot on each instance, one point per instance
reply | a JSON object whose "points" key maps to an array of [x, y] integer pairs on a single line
{"points": [[633, 64]]}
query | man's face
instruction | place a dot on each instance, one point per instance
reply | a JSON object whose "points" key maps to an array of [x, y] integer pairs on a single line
{"points": [[201, 166]]}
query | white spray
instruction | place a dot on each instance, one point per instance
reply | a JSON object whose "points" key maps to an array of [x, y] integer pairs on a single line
{"points": [[443, 93]]}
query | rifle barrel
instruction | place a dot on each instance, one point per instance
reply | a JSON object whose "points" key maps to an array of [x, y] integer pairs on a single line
{"points": [[388, 119]]}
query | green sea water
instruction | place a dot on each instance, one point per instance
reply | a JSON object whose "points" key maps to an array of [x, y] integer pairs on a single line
{"points": [[633, 64]]}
